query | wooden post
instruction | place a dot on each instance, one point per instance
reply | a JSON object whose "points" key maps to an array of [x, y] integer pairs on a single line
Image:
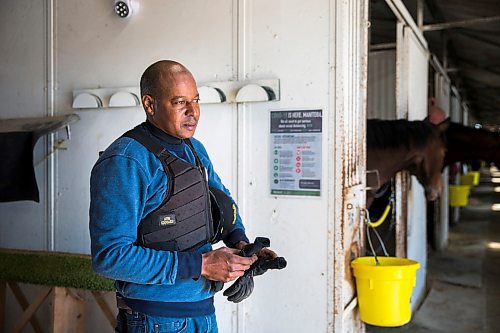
{"points": [[110, 315], [31, 309], [23, 302], [68, 314]]}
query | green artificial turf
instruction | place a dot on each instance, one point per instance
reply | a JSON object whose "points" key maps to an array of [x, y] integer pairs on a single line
{"points": [[51, 269]]}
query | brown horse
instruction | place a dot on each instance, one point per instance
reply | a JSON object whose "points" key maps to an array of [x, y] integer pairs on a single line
{"points": [[468, 145], [414, 146]]}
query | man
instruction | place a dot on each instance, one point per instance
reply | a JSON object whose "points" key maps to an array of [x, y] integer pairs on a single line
{"points": [[436, 115], [150, 215]]}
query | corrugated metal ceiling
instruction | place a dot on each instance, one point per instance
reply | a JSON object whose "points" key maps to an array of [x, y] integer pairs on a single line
{"points": [[469, 49]]}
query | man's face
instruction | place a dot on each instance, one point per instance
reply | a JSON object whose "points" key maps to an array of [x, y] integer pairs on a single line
{"points": [[176, 109]]}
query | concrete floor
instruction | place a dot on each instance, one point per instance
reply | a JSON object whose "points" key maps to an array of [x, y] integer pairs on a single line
{"points": [[464, 280]]}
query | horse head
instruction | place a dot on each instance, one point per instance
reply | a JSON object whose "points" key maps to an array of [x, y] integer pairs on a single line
{"points": [[415, 146], [429, 160]]}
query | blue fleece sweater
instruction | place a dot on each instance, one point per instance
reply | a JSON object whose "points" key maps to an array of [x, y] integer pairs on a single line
{"points": [[127, 183]]}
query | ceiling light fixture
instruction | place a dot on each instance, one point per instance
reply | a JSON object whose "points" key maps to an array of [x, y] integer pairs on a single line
{"points": [[125, 8]]}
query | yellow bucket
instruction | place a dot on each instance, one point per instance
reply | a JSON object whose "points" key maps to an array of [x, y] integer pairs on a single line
{"points": [[470, 179], [475, 177], [384, 290], [458, 195], [467, 180]]}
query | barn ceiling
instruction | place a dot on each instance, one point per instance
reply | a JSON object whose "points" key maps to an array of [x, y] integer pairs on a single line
{"points": [[465, 36]]}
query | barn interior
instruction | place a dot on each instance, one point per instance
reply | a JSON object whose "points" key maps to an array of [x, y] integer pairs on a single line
{"points": [[70, 71]]}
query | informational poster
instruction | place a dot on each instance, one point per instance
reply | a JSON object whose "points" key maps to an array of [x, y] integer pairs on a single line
{"points": [[295, 152]]}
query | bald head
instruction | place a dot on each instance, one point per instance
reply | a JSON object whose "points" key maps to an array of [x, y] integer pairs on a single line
{"points": [[170, 98], [160, 75]]}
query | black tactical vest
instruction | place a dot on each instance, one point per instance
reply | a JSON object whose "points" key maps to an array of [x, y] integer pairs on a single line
{"points": [[183, 221]]}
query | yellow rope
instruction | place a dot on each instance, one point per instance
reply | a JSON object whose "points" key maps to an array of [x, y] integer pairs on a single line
{"points": [[382, 218]]}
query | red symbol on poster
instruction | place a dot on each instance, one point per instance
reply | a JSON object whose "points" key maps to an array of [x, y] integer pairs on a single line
{"points": [[297, 170], [297, 165], [298, 158]]}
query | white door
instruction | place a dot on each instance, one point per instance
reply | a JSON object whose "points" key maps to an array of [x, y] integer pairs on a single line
{"points": [[318, 235], [441, 211], [412, 104], [350, 157]]}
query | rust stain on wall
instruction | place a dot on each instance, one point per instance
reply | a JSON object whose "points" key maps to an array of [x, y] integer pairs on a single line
{"points": [[351, 253]]}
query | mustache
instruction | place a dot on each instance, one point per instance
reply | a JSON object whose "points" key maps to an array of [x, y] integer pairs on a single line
{"points": [[190, 122]]}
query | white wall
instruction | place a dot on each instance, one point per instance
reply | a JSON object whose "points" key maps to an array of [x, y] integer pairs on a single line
{"points": [[295, 225], [95, 48], [113, 52], [22, 78], [382, 84]]}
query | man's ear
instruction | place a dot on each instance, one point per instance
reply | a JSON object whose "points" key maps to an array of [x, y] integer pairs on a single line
{"points": [[148, 103]]}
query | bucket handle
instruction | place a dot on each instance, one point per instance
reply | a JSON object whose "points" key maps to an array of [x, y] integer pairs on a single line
{"points": [[369, 225]]}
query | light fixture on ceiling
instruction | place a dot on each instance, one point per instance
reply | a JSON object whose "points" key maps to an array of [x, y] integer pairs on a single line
{"points": [[125, 8]]}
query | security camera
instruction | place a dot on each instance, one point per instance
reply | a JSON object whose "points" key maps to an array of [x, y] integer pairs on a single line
{"points": [[125, 8]]}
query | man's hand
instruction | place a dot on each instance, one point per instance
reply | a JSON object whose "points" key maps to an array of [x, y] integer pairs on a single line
{"points": [[224, 264], [265, 252]]}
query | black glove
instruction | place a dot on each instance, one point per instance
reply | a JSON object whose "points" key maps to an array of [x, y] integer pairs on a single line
{"points": [[264, 263], [248, 251], [243, 286], [240, 289], [254, 248]]}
